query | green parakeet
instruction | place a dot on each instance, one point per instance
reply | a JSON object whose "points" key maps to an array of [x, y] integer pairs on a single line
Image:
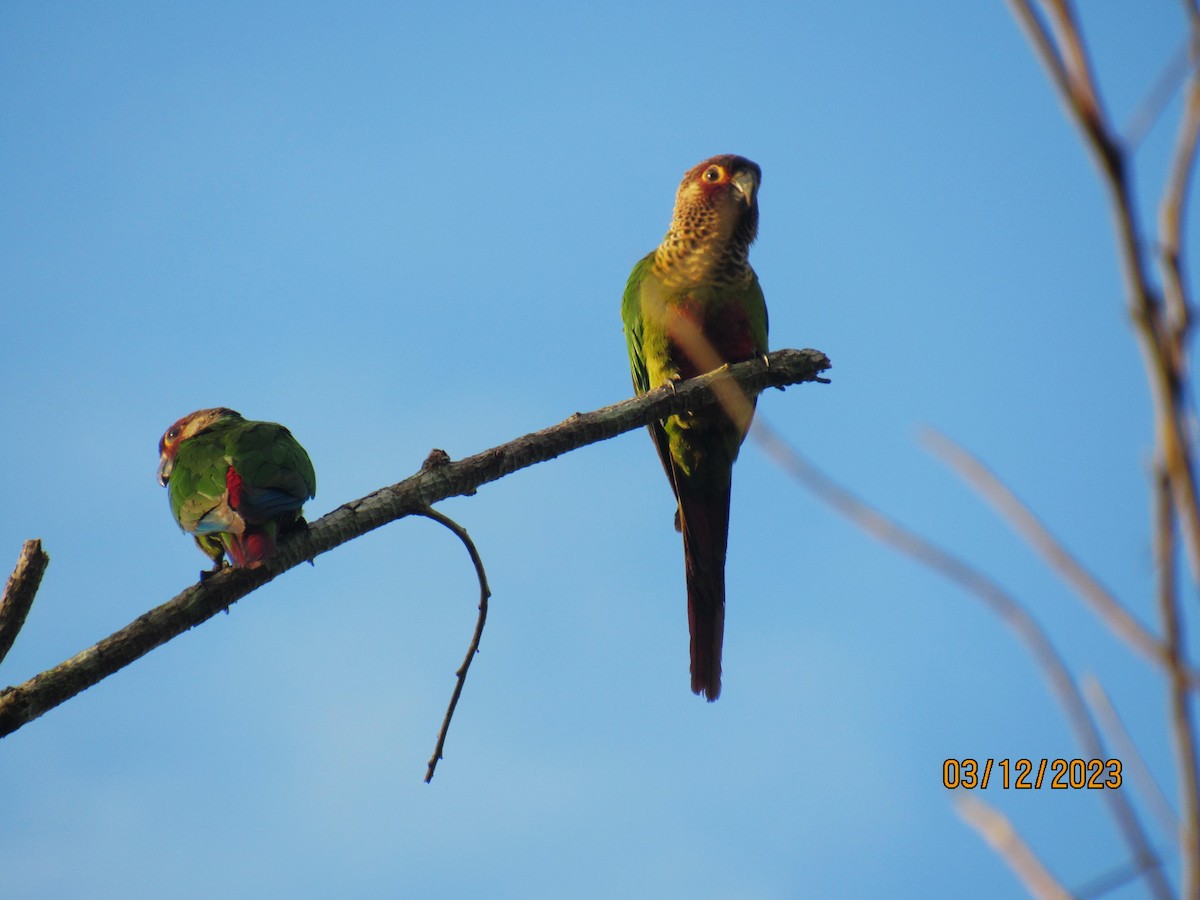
{"points": [[234, 484], [690, 306]]}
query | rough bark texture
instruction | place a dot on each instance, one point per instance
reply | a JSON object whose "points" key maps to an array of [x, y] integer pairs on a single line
{"points": [[19, 592]]}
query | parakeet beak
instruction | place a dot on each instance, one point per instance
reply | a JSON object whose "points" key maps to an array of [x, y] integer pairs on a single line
{"points": [[746, 184], [165, 465]]}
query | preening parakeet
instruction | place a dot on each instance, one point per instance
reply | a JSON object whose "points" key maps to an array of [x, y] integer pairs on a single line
{"points": [[234, 484], [691, 306]]}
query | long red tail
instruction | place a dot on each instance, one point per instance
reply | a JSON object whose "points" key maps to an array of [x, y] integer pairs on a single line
{"points": [[705, 525]]}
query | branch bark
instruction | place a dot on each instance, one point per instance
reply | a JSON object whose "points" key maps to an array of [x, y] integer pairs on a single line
{"points": [[414, 495], [18, 595]]}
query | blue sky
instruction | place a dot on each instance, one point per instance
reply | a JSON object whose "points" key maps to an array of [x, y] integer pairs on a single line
{"points": [[394, 227]]}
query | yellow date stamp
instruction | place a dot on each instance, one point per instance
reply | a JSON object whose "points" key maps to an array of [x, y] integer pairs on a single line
{"points": [[1029, 774]]}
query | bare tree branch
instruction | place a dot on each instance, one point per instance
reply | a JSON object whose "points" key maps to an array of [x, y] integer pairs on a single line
{"points": [[1060, 48], [1159, 95], [1171, 219], [1162, 355], [996, 598], [993, 826], [1132, 762], [414, 495], [1182, 725], [1161, 324], [1171, 208], [484, 593], [1039, 34], [18, 595], [1106, 607]]}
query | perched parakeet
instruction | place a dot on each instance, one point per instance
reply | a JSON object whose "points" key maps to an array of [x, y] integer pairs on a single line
{"points": [[691, 306], [235, 485]]}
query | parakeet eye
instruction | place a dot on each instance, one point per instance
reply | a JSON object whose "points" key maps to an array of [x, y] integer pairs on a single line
{"points": [[712, 174], [172, 432]]}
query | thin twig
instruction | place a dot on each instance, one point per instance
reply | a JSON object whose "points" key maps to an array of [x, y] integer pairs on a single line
{"points": [[1175, 319], [993, 826], [1179, 310], [1133, 764], [1159, 96], [1161, 324], [996, 598], [27, 701], [1060, 48], [1161, 356], [19, 592], [1078, 91], [1106, 606], [1039, 35], [461, 675], [1075, 61], [1117, 876], [1170, 216], [1182, 725]]}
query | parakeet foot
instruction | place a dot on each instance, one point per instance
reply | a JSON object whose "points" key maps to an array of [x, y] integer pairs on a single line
{"points": [[206, 574]]}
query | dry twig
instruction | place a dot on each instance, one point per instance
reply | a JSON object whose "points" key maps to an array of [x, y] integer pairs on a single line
{"points": [[1183, 726], [484, 593], [1162, 350], [1133, 764], [993, 826], [1106, 607], [1162, 323]]}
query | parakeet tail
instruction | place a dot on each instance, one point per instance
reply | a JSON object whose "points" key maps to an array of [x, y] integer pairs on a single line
{"points": [[705, 520]]}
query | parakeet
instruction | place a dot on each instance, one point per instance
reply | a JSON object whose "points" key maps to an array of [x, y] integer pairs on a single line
{"points": [[234, 484], [690, 306]]}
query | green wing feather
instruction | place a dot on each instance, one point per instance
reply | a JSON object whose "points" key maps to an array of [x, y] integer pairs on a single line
{"points": [[266, 456], [631, 316], [270, 459], [198, 479]]}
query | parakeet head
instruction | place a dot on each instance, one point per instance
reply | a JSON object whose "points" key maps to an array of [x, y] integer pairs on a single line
{"points": [[721, 193], [715, 222], [187, 427]]}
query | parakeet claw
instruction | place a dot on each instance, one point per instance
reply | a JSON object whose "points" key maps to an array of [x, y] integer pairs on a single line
{"points": [[206, 574]]}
